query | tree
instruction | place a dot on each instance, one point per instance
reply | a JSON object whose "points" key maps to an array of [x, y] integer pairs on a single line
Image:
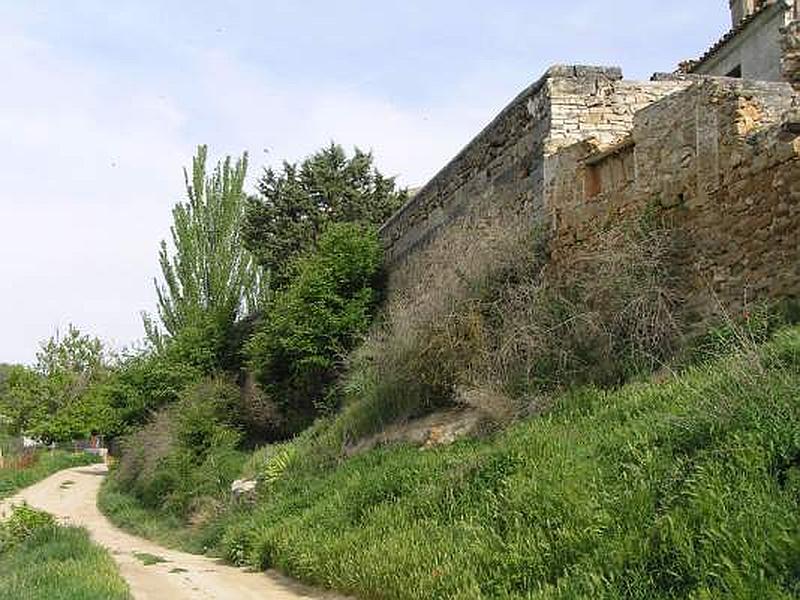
{"points": [[317, 319], [57, 399], [22, 399], [209, 278], [294, 205]]}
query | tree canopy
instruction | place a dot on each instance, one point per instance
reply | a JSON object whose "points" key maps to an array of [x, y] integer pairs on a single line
{"points": [[294, 204], [58, 398]]}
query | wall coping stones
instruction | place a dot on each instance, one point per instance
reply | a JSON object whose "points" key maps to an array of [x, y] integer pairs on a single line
{"points": [[554, 72]]}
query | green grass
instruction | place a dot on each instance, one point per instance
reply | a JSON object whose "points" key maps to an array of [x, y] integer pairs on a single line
{"points": [[48, 463], [684, 488], [59, 563], [160, 526]]}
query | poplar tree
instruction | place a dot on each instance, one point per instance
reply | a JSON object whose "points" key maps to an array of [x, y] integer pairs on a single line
{"points": [[208, 274]]}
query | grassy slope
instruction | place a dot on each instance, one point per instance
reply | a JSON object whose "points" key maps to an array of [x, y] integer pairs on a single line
{"points": [[165, 528], [685, 488], [59, 563], [48, 463]]}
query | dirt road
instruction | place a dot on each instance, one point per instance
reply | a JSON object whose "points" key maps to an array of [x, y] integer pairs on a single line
{"points": [[181, 576]]}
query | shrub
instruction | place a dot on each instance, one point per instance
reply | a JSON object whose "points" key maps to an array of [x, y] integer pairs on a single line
{"points": [[187, 453], [610, 315], [514, 329], [149, 380], [312, 324]]}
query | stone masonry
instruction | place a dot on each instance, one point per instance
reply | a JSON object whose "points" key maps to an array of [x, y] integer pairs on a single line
{"points": [[504, 168], [719, 162], [582, 149]]}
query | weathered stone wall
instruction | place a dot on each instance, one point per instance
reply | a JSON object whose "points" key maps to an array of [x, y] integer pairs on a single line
{"points": [[718, 162], [500, 177], [582, 151], [790, 45]]}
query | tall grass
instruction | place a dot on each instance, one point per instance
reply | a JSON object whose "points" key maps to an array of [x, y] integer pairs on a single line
{"points": [[685, 488], [59, 563], [688, 487]]}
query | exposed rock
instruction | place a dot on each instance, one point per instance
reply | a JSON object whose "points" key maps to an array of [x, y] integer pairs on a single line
{"points": [[244, 489], [437, 429]]}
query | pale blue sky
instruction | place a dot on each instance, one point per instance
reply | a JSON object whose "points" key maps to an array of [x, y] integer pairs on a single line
{"points": [[102, 103]]}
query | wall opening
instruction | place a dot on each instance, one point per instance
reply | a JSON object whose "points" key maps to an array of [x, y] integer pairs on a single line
{"points": [[735, 72], [593, 182]]}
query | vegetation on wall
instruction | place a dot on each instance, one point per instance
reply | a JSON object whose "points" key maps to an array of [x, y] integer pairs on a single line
{"points": [[512, 333]]}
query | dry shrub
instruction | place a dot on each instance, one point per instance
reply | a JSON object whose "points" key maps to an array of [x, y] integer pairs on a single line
{"points": [[259, 414], [144, 451], [500, 326], [611, 313], [19, 462]]}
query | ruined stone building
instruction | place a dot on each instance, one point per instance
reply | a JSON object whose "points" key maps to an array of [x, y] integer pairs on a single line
{"points": [[713, 147]]}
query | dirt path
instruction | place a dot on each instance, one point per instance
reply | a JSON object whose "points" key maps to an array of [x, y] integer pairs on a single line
{"points": [[182, 576]]}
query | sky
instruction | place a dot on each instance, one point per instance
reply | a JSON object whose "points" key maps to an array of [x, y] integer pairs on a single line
{"points": [[103, 103]]}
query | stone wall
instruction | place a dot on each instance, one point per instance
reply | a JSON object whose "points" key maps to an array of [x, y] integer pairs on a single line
{"points": [[501, 175], [790, 45], [719, 163], [582, 151]]}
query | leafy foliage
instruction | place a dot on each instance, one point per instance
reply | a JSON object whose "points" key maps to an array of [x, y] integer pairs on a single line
{"points": [[295, 204], [57, 400], [209, 274], [318, 318]]}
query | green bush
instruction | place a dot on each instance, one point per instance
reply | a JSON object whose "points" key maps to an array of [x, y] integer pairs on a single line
{"points": [[322, 314], [188, 454], [151, 379], [23, 523]]}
